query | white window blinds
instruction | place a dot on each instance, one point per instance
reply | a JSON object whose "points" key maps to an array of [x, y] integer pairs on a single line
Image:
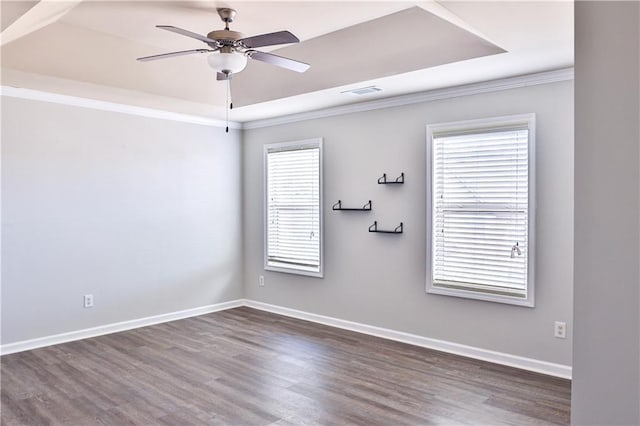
{"points": [[480, 212], [293, 208]]}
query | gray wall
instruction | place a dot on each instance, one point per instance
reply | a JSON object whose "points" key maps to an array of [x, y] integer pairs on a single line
{"points": [[144, 214], [380, 279], [607, 326]]}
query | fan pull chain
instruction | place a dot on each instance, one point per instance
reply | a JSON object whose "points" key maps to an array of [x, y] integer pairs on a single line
{"points": [[227, 106]]}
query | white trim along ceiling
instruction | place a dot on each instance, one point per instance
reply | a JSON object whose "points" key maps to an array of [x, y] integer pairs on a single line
{"points": [[426, 96]]}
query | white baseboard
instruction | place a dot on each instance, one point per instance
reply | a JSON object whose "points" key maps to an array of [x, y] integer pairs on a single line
{"points": [[544, 367], [530, 364], [55, 339]]}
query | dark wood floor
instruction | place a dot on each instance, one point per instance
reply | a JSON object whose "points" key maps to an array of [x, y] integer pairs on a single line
{"points": [[245, 367]]}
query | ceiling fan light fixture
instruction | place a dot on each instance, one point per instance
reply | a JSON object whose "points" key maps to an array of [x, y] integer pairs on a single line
{"points": [[227, 62], [232, 49]]}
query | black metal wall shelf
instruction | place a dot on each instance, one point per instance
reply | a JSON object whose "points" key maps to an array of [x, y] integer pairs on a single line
{"points": [[374, 228], [365, 208], [383, 180]]}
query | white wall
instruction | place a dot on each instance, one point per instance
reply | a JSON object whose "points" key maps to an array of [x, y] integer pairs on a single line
{"points": [[380, 279], [606, 356], [145, 214]]}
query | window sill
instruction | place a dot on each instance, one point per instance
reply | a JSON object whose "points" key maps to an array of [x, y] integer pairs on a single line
{"points": [[319, 274], [487, 297]]}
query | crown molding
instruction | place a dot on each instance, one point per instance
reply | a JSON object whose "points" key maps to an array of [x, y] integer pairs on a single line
{"points": [[37, 95], [546, 77]]}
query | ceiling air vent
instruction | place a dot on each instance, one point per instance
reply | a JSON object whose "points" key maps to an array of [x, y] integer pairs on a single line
{"points": [[363, 90]]}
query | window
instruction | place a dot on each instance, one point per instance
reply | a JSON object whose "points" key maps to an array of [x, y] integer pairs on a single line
{"points": [[480, 189], [293, 207]]}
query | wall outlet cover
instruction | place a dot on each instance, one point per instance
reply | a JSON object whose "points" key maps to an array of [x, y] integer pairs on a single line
{"points": [[560, 330], [88, 300]]}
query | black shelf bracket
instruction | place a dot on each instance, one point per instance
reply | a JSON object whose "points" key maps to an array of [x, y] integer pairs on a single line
{"points": [[383, 180], [365, 208], [397, 230]]}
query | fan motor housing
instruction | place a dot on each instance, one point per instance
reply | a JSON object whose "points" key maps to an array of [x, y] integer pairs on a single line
{"points": [[225, 35]]}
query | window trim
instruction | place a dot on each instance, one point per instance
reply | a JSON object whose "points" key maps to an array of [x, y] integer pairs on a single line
{"points": [[288, 146], [479, 125]]}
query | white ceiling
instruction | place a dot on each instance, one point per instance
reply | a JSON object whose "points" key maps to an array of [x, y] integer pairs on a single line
{"points": [[88, 49]]}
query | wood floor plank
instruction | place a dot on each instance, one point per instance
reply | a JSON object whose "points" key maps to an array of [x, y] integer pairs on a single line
{"points": [[247, 367]]}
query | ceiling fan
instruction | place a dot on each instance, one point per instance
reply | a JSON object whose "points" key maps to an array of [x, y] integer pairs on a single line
{"points": [[230, 49]]}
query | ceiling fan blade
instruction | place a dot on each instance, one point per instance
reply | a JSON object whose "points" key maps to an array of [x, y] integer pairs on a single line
{"points": [[187, 33], [171, 54], [279, 61], [279, 37], [223, 76]]}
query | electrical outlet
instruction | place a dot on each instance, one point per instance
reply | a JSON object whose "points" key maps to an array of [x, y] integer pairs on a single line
{"points": [[560, 330], [261, 280], [88, 300]]}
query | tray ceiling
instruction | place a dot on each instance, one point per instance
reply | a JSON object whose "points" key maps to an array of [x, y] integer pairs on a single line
{"points": [[88, 49], [404, 41]]}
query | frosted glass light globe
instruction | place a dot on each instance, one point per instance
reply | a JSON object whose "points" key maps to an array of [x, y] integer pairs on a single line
{"points": [[227, 62]]}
